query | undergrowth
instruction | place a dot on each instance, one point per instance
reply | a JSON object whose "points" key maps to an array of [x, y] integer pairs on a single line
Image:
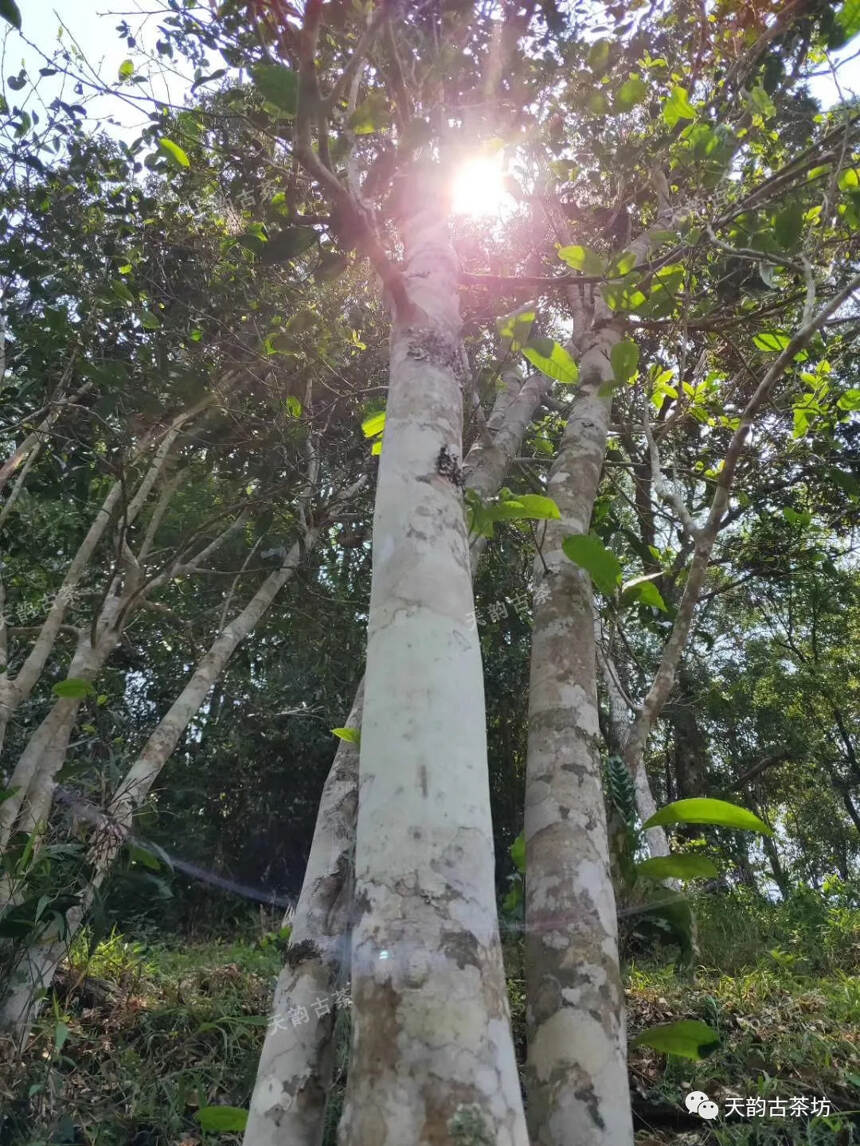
{"points": [[140, 1035]]}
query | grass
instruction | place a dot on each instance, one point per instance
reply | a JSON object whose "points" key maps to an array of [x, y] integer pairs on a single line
{"points": [[182, 1027]]}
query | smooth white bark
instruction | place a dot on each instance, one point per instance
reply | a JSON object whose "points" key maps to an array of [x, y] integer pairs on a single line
{"points": [[294, 1076], [432, 1051], [576, 1070]]}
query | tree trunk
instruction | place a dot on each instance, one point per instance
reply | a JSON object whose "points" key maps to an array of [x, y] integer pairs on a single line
{"points": [[576, 1071], [294, 1077], [36, 967], [432, 1052], [296, 1065]]}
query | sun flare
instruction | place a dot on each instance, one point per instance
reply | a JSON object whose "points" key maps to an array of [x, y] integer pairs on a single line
{"points": [[479, 187]]}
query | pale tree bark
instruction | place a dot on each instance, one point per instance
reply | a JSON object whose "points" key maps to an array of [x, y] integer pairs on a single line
{"points": [[620, 709], [576, 1070], [37, 964], [14, 691], [297, 1060], [432, 1053], [295, 1072], [33, 442], [706, 535]]}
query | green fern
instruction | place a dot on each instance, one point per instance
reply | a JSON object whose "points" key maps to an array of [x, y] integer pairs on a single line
{"points": [[619, 783]]}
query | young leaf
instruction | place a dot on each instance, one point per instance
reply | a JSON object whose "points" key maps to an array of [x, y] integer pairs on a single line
{"points": [[373, 424], [849, 401], [589, 552], [631, 92], [677, 867], [598, 57], [678, 107], [582, 259], [848, 18], [551, 359], [73, 688], [61, 1033], [788, 225], [126, 70], [277, 84], [771, 341], [624, 357], [688, 1038], [703, 810], [174, 152], [536, 507], [518, 852], [351, 735], [760, 103], [222, 1118], [514, 329], [524, 507]]}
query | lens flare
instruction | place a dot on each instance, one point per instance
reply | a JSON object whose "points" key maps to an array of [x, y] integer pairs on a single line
{"points": [[479, 187]]}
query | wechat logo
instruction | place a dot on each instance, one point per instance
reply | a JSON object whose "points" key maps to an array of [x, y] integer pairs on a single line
{"points": [[697, 1102]]}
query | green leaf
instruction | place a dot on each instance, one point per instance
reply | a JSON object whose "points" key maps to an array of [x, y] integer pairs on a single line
{"points": [[849, 180], [644, 592], [514, 329], [525, 507], [598, 57], [287, 244], [760, 103], [376, 448], [294, 406], [277, 84], [622, 265], [582, 259], [174, 152], [518, 852], [371, 115], [703, 810], [677, 867], [61, 1034], [140, 855], [373, 424], [589, 552], [9, 12], [551, 359], [126, 70], [73, 688], [624, 357], [149, 321], [848, 18], [632, 91], [514, 898], [688, 1038], [850, 400], [788, 225], [677, 107], [771, 341], [222, 1118], [351, 735]]}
